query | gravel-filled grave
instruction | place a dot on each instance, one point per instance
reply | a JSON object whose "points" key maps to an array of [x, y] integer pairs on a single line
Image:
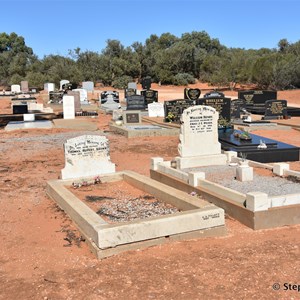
{"points": [[119, 201], [263, 180]]}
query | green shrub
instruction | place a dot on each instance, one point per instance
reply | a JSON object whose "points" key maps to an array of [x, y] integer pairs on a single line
{"points": [[122, 82], [183, 79]]}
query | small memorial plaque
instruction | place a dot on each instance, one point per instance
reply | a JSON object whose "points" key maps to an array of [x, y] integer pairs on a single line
{"points": [[87, 155], [131, 117], [192, 94]]}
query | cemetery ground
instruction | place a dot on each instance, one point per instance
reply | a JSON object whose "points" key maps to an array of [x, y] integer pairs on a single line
{"points": [[43, 256]]}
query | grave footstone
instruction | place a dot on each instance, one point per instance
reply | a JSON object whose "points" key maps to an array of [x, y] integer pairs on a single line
{"points": [[136, 102], [156, 109], [175, 108], [24, 87], [150, 96], [69, 107], [192, 94], [85, 156], [275, 109]]}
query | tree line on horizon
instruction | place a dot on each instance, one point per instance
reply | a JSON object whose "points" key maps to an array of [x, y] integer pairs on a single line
{"points": [[167, 59]]}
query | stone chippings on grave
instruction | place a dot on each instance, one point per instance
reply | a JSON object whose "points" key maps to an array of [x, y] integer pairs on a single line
{"points": [[199, 132], [156, 109], [88, 86], [24, 87], [69, 107], [87, 155]]}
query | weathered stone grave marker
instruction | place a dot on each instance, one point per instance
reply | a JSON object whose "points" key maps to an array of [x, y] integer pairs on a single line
{"points": [[87, 155]]}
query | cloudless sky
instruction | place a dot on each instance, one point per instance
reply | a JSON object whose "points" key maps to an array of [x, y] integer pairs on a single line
{"points": [[54, 27]]}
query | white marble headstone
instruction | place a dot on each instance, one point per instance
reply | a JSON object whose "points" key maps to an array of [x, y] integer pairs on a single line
{"points": [[16, 88], [49, 87], [87, 155], [88, 85], [199, 132], [62, 82], [132, 85], [156, 109], [110, 104], [69, 107]]}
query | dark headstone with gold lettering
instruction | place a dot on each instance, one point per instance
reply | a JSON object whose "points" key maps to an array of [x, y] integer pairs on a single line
{"points": [[192, 94], [223, 107], [255, 100], [129, 92], [175, 108], [150, 96], [275, 109], [237, 106]]}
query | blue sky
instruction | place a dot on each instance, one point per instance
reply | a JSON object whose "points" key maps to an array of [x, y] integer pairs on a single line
{"points": [[53, 27]]}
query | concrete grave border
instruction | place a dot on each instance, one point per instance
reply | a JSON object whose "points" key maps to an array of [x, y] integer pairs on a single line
{"points": [[256, 210], [198, 218]]}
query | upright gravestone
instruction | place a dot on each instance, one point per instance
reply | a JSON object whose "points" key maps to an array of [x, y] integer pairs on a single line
{"points": [[199, 143], [87, 155], [15, 88], [77, 103], [62, 82], [192, 94], [104, 96], [146, 83], [110, 104], [150, 96], [83, 96], [69, 107], [223, 107], [275, 109], [129, 92], [24, 87], [175, 108], [49, 87], [132, 85], [156, 109], [136, 102], [88, 85], [237, 107]]}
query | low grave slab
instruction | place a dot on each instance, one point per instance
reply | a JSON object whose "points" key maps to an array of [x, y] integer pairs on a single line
{"points": [[196, 217]]}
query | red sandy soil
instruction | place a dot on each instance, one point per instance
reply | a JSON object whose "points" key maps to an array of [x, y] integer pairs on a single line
{"points": [[37, 260]]}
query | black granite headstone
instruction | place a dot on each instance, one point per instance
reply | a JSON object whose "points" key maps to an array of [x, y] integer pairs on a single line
{"points": [[275, 109], [129, 92], [237, 107], [176, 108], [222, 106], [150, 96], [146, 83], [257, 98], [192, 94], [20, 109], [136, 102]]}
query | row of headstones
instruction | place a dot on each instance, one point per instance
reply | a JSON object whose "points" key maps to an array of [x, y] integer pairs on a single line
{"points": [[89, 155], [50, 87]]}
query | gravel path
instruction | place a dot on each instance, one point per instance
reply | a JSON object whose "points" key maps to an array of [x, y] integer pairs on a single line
{"points": [[225, 175]]}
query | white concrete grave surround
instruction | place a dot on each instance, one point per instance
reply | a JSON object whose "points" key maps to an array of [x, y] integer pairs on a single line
{"points": [[156, 109], [199, 145], [87, 155], [69, 107]]}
